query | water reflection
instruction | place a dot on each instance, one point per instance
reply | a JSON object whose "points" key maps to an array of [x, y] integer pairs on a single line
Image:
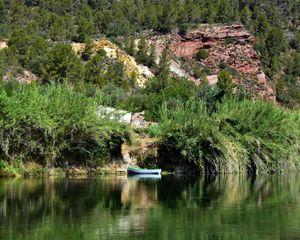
{"points": [[220, 207]]}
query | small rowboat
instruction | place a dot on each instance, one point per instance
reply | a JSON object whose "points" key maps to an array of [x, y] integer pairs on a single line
{"points": [[135, 170]]}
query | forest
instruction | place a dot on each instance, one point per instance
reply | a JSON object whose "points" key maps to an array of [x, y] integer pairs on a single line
{"points": [[213, 128]]}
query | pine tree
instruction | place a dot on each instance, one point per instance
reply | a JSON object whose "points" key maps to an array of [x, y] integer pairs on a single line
{"points": [[88, 50], [62, 65], [142, 54], [95, 70], [152, 56], [225, 82], [164, 67], [130, 47]]}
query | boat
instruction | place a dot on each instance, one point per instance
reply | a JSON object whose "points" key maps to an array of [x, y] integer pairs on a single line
{"points": [[135, 170]]}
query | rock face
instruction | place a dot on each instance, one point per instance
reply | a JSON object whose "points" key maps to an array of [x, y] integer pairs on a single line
{"points": [[113, 51], [3, 45], [24, 77], [227, 46]]}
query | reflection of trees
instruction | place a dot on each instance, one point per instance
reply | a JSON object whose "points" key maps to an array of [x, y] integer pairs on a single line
{"points": [[179, 208]]}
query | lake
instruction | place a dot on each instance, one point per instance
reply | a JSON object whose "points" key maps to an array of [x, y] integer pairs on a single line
{"points": [[222, 207]]}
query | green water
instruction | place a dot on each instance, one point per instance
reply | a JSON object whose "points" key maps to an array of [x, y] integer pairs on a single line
{"points": [[224, 207]]}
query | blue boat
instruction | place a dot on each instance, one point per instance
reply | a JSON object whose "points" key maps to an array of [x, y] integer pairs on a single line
{"points": [[136, 170]]}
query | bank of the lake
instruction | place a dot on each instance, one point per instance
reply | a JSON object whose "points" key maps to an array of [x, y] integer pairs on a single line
{"points": [[57, 127]]}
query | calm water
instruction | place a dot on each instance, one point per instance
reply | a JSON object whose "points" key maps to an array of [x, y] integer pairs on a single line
{"points": [[225, 207]]}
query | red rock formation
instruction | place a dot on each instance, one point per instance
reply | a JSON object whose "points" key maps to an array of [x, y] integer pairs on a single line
{"points": [[230, 45]]}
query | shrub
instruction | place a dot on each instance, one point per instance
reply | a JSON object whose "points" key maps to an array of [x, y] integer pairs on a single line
{"points": [[53, 124], [238, 136], [201, 54]]}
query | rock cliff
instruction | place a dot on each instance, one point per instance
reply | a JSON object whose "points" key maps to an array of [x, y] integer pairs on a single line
{"points": [[113, 51], [229, 47]]}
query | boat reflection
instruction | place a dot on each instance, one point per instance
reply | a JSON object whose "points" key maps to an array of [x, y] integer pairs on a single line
{"points": [[145, 177]]}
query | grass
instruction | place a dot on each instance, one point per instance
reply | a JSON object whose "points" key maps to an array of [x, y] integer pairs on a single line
{"points": [[55, 125], [238, 136]]}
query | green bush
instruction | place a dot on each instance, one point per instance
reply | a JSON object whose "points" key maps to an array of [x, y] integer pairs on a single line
{"points": [[238, 136], [201, 54], [54, 124]]}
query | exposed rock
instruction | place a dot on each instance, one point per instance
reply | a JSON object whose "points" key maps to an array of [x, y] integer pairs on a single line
{"points": [[24, 77], [114, 114], [138, 120], [212, 79], [3, 45], [113, 51], [231, 46]]}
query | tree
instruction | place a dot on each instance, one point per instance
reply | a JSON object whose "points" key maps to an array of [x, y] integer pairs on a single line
{"points": [[88, 50], [142, 54], [261, 25], [275, 42], [152, 56], [2, 64], [164, 65], [85, 29], [130, 47], [2, 11], [62, 65], [167, 21], [36, 55], [246, 16], [95, 70], [225, 82]]}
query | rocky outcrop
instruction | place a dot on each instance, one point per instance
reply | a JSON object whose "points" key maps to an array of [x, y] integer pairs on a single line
{"points": [[24, 77], [3, 45], [113, 51], [227, 46]]}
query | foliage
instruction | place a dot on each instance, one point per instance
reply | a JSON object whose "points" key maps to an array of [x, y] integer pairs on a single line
{"points": [[62, 65], [237, 136], [54, 124], [201, 54]]}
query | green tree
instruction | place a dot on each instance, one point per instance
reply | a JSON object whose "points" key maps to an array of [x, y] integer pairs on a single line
{"points": [[167, 21], [225, 82], [57, 29], [62, 65], [164, 66], [246, 16], [95, 70], [275, 42], [85, 29], [142, 54], [88, 50], [130, 47], [36, 55], [152, 56], [261, 24], [2, 11]]}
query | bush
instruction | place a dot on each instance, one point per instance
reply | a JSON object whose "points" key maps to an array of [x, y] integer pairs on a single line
{"points": [[238, 136], [201, 54], [54, 124]]}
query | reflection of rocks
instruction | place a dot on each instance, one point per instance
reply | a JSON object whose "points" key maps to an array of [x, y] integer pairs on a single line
{"points": [[138, 194]]}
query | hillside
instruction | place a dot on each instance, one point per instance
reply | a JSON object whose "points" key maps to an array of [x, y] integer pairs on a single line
{"points": [[227, 47]]}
